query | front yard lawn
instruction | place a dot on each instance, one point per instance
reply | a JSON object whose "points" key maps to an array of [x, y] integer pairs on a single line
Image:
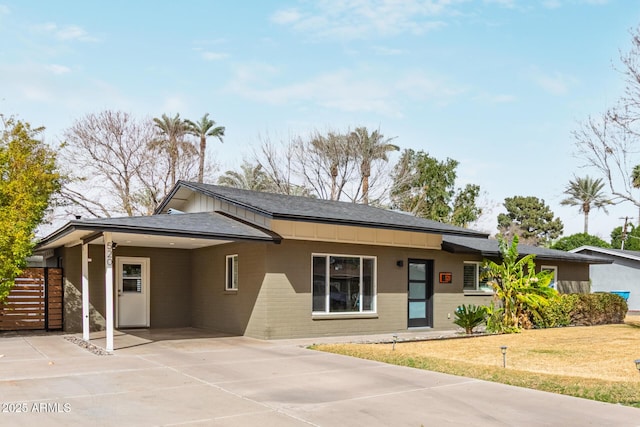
{"points": [[593, 362]]}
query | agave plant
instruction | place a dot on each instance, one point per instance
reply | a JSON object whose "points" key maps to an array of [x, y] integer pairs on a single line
{"points": [[470, 316]]}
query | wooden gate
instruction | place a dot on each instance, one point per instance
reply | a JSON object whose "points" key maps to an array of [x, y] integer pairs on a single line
{"points": [[35, 301]]}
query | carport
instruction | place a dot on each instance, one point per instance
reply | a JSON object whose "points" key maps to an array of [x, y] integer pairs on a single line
{"points": [[174, 231]]}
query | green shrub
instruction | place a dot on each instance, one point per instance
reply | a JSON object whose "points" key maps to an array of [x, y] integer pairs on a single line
{"points": [[557, 313], [598, 309], [470, 317], [583, 310]]}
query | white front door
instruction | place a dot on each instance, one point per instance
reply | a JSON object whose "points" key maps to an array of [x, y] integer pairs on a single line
{"points": [[132, 278]]}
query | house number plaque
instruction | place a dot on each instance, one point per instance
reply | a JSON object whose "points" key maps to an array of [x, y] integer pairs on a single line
{"points": [[446, 277]]}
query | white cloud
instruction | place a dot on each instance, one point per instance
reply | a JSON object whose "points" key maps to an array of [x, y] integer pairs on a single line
{"points": [[510, 4], [344, 90], [340, 90], [58, 69], [489, 98], [36, 93], [66, 33], [419, 85], [386, 51], [552, 4], [555, 83], [213, 56], [355, 19], [286, 16], [174, 103]]}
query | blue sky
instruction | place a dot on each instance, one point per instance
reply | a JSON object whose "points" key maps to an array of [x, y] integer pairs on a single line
{"points": [[497, 85]]}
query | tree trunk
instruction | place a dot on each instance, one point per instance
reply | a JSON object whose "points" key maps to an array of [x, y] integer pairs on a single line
{"points": [[366, 172], [203, 147], [365, 189], [173, 154], [334, 181], [586, 222]]}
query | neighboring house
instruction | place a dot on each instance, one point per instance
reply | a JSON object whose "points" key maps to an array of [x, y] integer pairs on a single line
{"points": [[271, 266], [621, 274], [571, 272]]}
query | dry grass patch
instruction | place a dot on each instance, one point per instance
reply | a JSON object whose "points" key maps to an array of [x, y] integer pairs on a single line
{"points": [[595, 362]]}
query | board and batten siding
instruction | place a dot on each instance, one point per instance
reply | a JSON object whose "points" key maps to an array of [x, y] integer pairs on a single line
{"points": [[201, 203]]}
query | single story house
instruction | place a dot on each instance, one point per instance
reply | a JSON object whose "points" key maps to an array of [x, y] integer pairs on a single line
{"points": [[621, 274], [272, 266]]}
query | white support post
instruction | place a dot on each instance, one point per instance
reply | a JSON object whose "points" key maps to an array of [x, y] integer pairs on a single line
{"points": [[85, 292], [108, 281]]}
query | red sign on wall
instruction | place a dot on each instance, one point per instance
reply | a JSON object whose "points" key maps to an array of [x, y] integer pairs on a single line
{"points": [[446, 277]]}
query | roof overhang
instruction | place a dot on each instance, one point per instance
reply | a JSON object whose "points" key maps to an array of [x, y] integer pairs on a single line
{"points": [[489, 248], [205, 229]]}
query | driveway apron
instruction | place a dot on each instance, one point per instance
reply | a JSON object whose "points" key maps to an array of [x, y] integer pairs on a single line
{"points": [[237, 381]]}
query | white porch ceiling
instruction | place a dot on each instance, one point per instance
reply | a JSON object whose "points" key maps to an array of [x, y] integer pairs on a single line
{"points": [[138, 240]]}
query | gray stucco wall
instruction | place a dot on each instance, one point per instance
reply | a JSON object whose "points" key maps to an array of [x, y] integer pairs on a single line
{"points": [[622, 275]]}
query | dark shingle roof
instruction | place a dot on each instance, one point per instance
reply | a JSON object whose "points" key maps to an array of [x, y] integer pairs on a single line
{"points": [[279, 206], [608, 253], [205, 225], [489, 248]]}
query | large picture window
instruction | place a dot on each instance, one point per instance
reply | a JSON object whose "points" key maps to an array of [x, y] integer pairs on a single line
{"points": [[344, 284]]}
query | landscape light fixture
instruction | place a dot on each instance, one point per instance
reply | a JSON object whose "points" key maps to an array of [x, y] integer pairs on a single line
{"points": [[503, 349], [638, 364], [395, 340]]}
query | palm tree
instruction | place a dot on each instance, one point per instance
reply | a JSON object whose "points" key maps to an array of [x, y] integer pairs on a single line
{"points": [[369, 148], [336, 151], [203, 129], [172, 129], [586, 193], [250, 177]]}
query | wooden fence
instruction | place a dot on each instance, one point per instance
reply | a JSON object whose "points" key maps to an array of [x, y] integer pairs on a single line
{"points": [[35, 301]]}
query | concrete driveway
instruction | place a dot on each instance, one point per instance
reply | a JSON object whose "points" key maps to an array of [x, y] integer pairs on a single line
{"points": [[194, 378]]}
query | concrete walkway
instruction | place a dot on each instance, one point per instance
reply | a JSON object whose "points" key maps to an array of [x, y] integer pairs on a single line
{"points": [[191, 377]]}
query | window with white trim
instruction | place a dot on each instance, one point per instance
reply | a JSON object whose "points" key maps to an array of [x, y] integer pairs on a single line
{"points": [[231, 277], [343, 284], [471, 280], [554, 281]]}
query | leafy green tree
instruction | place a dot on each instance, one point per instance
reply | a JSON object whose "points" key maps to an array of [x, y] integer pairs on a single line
{"points": [[28, 179], [586, 193], [529, 218], [369, 147], [520, 291], [250, 177], [635, 176], [568, 243], [203, 129], [425, 187], [631, 241], [172, 130], [465, 210]]}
